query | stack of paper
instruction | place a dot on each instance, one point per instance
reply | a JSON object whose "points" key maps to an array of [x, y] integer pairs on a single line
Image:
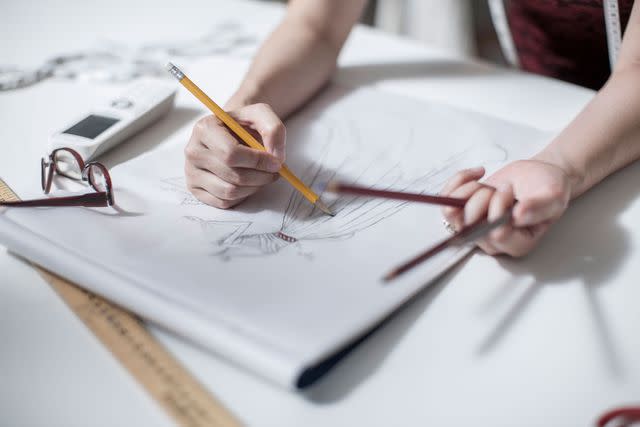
{"points": [[274, 285]]}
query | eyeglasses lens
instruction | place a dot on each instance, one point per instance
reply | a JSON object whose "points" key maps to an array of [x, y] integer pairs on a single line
{"points": [[98, 179], [67, 165]]}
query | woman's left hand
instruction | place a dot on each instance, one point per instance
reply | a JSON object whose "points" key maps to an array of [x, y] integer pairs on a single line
{"points": [[542, 191]]}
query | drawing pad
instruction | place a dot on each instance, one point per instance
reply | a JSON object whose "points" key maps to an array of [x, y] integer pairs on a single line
{"points": [[274, 285]]}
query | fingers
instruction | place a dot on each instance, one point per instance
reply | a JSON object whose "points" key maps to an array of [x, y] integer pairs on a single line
{"points": [[543, 194], [265, 121], [461, 178], [203, 159], [220, 193], [503, 239], [210, 133], [507, 239], [211, 200], [517, 242], [534, 211], [502, 200], [456, 216], [221, 171], [477, 205]]}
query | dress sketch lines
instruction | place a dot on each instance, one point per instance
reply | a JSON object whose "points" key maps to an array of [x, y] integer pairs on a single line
{"points": [[374, 148], [302, 223], [178, 186]]}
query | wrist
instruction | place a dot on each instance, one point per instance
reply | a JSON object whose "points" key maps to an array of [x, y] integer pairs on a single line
{"points": [[247, 94], [575, 175]]}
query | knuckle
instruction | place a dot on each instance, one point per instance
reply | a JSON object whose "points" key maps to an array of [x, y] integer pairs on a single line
{"points": [[229, 191], [205, 124], [275, 128], [229, 155], [236, 177], [204, 197], [207, 199], [201, 126], [226, 204], [461, 175], [209, 121], [190, 151]]}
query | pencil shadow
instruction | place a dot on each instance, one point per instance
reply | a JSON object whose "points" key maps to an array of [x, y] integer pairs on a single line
{"points": [[368, 355], [588, 245], [151, 137]]}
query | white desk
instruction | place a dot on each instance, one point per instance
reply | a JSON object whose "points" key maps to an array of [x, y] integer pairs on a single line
{"points": [[549, 340]]}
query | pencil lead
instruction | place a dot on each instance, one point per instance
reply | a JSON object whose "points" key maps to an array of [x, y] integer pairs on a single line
{"points": [[390, 276], [324, 208]]}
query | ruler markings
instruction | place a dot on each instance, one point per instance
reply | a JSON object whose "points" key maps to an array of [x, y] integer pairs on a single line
{"points": [[186, 401]]}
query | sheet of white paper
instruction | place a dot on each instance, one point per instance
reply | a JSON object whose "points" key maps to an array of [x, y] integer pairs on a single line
{"points": [[274, 284]]}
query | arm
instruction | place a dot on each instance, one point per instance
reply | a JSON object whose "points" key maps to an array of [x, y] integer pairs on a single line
{"points": [[603, 138], [294, 63], [299, 57]]}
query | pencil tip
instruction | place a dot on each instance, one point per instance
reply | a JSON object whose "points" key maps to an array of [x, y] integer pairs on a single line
{"points": [[324, 208], [390, 276]]}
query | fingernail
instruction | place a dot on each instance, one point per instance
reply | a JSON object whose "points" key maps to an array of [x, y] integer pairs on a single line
{"points": [[273, 164]]}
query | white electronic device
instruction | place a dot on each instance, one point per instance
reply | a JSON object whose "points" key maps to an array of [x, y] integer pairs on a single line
{"points": [[107, 125]]}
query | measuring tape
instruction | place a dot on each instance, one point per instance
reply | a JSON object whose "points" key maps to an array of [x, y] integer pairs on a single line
{"points": [[501, 25], [164, 378], [614, 32]]}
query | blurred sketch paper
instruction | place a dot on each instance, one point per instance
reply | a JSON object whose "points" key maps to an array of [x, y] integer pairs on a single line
{"points": [[274, 285]]}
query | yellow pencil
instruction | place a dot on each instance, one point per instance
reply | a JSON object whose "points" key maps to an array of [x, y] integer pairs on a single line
{"points": [[242, 133]]}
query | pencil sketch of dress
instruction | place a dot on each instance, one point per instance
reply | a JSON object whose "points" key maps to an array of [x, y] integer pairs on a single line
{"points": [[341, 152], [302, 222]]}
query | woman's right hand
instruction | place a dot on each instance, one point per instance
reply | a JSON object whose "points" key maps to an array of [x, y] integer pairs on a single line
{"points": [[220, 170]]}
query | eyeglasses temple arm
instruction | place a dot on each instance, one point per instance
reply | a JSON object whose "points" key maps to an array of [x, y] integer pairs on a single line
{"points": [[89, 200]]}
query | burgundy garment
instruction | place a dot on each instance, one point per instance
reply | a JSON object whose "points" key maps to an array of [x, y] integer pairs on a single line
{"points": [[564, 39]]}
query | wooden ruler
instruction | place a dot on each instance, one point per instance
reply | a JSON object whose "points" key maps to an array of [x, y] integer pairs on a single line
{"points": [[164, 378]]}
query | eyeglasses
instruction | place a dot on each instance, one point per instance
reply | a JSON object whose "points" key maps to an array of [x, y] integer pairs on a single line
{"points": [[68, 163]]}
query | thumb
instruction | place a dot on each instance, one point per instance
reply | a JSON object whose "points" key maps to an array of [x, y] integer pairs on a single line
{"points": [[264, 120], [535, 211]]}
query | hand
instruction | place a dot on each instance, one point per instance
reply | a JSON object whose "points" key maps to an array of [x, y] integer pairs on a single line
{"points": [[220, 170], [541, 189]]}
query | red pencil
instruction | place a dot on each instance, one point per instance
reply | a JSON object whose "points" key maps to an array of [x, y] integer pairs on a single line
{"points": [[468, 234], [338, 187]]}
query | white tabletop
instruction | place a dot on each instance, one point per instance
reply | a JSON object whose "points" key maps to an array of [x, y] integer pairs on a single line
{"points": [[548, 340]]}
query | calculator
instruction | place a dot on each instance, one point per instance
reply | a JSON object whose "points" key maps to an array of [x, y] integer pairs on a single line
{"points": [[117, 119]]}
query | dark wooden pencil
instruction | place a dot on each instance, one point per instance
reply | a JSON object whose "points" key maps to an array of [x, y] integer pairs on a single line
{"points": [[338, 187], [466, 235]]}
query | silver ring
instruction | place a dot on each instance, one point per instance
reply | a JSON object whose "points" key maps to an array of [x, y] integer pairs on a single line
{"points": [[449, 227]]}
